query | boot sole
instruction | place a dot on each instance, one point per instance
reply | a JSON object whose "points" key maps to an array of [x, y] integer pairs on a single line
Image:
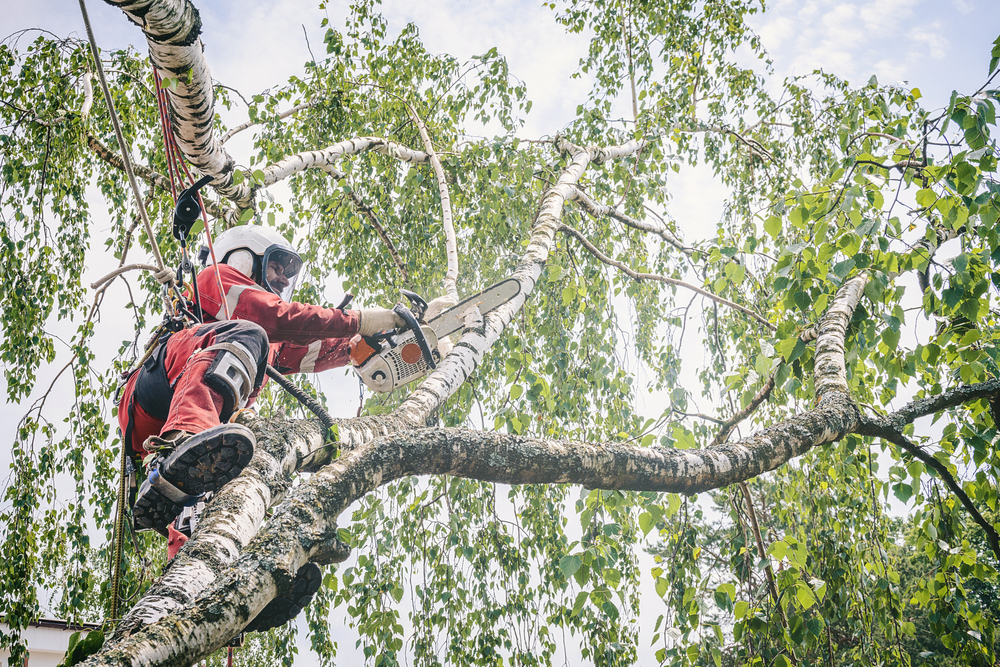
{"points": [[203, 464], [283, 609]]}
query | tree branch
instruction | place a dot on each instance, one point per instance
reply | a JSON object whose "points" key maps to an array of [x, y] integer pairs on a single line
{"points": [[880, 429], [281, 116], [635, 275], [831, 373], [451, 241], [596, 210], [369, 215], [156, 179], [730, 424], [293, 164], [933, 404], [172, 29]]}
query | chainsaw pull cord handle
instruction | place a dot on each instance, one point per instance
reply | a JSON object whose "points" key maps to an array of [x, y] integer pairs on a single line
{"points": [[418, 334]]}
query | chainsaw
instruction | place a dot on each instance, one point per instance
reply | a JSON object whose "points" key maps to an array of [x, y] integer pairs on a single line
{"points": [[394, 358]]}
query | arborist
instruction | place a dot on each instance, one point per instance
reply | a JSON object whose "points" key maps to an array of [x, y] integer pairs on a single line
{"points": [[174, 410]]}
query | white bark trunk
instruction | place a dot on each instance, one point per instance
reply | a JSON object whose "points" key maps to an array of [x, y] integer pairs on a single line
{"points": [[830, 370], [172, 28]]}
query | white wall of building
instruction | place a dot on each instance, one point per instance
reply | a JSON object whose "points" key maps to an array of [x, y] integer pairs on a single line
{"points": [[47, 642]]}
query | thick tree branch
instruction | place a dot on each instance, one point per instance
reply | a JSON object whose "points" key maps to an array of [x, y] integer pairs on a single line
{"points": [[831, 372], [934, 404], [293, 164], [303, 526], [172, 29], [635, 275]]}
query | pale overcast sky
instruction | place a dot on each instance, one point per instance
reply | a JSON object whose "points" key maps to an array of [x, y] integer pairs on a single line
{"points": [[936, 45]]}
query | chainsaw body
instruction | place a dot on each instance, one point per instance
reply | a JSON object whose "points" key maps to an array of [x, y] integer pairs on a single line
{"points": [[387, 362], [392, 359]]}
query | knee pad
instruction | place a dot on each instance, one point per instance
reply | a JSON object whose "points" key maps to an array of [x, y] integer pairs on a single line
{"points": [[232, 374]]}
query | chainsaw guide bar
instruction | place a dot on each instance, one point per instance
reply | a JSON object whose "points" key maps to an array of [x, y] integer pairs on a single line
{"points": [[488, 300]]}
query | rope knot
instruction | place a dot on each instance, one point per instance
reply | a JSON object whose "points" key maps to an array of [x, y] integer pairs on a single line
{"points": [[166, 276]]}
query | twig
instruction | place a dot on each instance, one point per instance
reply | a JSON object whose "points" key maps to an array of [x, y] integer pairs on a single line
{"points": [[369, 214], [120, 270], [769, 571], [878, 429], [227, 213], [731, 423], [281, 116], [595, 209], [566, 229]]}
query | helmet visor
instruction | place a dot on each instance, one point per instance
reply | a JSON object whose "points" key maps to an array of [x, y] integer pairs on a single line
{"points": [[281, 269]]}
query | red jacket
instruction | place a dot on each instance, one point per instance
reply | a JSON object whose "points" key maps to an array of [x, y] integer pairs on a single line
{"points": [[304, 338]]}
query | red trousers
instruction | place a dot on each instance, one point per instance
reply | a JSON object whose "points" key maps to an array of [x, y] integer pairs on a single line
{"points": [[192, 406]]}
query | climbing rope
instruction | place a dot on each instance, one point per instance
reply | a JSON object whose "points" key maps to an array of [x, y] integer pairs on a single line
{"points": [[175, 164], [119, 535], [126, 160]]}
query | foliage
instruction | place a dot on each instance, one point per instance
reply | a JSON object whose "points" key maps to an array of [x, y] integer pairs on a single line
{"points": [[79, 649], [827, 180]]}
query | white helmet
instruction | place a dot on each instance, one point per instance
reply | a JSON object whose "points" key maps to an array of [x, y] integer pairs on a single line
{"points": [[252, 250]]}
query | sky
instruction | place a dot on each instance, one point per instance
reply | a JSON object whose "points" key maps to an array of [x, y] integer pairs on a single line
{"points": [[933, 45]]}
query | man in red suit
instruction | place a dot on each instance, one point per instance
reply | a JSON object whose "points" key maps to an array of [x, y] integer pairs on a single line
{"points": [[175, 408]]}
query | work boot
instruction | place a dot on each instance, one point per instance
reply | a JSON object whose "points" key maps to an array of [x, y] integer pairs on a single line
{"points": [[285, 607], [184, 467]]}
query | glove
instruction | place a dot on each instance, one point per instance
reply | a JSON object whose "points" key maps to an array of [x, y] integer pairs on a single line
{"points": [[376, 320], [438, 306]]}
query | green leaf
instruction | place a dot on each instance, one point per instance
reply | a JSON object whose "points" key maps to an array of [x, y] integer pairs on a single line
{"points": [[805, 596], [646, 522], [581, 599], [926, 197], [79, 650], [661, 586], [773, 226], [841, 269], [570, 564]]}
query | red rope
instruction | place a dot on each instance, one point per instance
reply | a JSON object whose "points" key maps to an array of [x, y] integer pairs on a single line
{"points": [[175, 162]]}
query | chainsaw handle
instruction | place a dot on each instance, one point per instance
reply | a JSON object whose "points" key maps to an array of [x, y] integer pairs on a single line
{"points": [[418, 307], [418, 334]]}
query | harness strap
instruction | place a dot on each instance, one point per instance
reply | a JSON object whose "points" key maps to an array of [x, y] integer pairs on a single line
{"points": [[152, 389]]}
